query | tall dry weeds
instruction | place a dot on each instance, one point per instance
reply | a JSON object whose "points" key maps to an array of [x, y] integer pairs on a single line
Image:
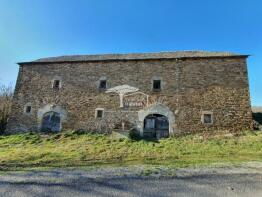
{"points": [[6, 94]]}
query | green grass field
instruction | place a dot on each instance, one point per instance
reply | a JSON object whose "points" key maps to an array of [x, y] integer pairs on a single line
{"points": [[72, 150]]}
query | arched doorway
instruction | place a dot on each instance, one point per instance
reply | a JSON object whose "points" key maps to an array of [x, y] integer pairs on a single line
{"points": [[159, 109], [51, 122], [156, 126]]}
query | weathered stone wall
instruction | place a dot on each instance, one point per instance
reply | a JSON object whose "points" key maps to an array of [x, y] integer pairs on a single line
{"points": [[190, 86]]}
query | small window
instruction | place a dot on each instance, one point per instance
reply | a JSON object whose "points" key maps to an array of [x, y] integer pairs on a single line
{"points": [[102, 84], [156, 85], [28, 109], [207, 118], [99, 113], [56, 84]]}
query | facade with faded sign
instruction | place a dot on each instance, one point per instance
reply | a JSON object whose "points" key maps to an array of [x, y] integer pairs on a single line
{"points": [[156, 94]]}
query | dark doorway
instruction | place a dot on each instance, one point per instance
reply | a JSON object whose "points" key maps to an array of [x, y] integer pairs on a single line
{"points": [[156, 126], [51, 122]]}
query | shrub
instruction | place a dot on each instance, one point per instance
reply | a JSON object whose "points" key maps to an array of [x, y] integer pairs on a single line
{"points": [[134, 135]]}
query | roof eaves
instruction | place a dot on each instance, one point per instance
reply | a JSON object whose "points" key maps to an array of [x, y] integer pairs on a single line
{"points": [[131, 59]]}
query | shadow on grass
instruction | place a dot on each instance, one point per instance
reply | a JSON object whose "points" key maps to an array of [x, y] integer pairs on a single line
{"points": [[133, 135], [148, 139]]}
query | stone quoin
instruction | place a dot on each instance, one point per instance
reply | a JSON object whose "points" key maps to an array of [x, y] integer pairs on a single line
{"points": [[157, 94]]}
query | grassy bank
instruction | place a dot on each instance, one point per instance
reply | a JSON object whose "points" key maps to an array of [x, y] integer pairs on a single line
{"points": [[69, 149]]}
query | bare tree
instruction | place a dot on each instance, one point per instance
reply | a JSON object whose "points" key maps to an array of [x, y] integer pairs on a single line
{"points": [[6, 93]]}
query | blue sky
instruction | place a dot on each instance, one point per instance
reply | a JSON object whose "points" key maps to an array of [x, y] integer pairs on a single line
{"points": [[31, 29]]}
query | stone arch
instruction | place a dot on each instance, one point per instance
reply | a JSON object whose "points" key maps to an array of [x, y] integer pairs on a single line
{"points": [[156, 109], [51, 121], [51, 108], [156, 126]]}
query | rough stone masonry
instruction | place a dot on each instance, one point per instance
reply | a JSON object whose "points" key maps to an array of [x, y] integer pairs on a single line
{"points": [[157, 94]]}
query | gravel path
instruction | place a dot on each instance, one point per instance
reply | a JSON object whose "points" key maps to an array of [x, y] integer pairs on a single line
{"points": [[135, 181]]}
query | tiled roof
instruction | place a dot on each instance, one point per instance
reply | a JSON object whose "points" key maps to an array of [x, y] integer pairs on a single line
{"points": [[135, 56]]}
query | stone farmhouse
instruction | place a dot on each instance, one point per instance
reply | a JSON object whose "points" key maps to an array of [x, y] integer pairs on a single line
{"points": [[157, 94]]}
